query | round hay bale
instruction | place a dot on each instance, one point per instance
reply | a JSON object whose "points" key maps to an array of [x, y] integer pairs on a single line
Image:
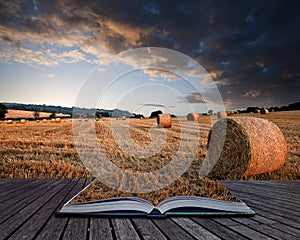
{"points": [[252, 146], [222, 115], [37, 121], [52, 120], [9, 122], [57, 120], [44, 120], [22, 121], [264, 111], [194, 116], [229, 113], [164, 120]]}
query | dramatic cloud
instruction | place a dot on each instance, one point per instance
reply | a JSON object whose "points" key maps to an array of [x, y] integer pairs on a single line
{"points": [[156, 73], [155, 105], [250, 49], [195, 98]]}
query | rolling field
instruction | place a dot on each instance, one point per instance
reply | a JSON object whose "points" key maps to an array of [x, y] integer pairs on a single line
{"points": [[47, 150], [30, 114], [24, 148]]}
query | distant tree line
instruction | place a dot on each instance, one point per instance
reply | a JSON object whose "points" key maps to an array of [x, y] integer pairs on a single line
{"points": [[290, 107], [3, 110], [39, 108], [98, 113]]}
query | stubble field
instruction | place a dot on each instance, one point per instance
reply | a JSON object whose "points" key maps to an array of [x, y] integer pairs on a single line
{"points": [[53, 143], [48, 150]]}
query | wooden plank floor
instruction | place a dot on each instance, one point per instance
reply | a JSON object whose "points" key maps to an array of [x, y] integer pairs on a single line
{"points": [[28, 206]]}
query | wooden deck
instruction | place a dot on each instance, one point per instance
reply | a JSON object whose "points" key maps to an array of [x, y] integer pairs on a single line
{"points": [[27, 208]]}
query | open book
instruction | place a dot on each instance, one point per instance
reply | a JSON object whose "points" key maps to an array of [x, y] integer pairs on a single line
{"points": [[135, 206], [147, 171]]}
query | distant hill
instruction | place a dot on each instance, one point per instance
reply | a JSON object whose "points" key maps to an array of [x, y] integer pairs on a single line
{"points": [[75, 112], [23, 114], [39, 108]]}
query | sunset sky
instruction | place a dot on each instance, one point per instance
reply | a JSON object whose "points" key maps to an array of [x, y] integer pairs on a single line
{"points": [[250, 49]]}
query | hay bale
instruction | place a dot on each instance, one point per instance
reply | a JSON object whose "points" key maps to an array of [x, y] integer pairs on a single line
{"points": [[221, 114], [52, 120], [9, 122], [164, 120], [22, 121], [37, 121], [252, 146], [57, 120], [264, 111], [44, 120], [229, 113], [194, 116]]}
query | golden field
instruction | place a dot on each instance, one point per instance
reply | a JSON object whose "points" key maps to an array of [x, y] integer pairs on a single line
{"points": [[47, 150], [27, 147], [30, 114]]}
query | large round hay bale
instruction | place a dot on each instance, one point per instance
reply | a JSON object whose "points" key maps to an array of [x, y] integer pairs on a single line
{"points": [[23, 121], [221, 114], [9, 122], [194, 116], [264, 111], [45, 121], [164, 120], [252, 146]]}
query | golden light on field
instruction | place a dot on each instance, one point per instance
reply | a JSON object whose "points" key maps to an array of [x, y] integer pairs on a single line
{"points": [[46, 142], [30, 114]]}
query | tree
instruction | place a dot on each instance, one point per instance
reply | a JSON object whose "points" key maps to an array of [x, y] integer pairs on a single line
{"points": [[36, 114], [53, 115], [139, 116], [155, 114], [3, 110]]}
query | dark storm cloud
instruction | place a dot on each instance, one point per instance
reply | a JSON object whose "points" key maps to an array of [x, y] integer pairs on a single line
{"points": [[252, 45]]}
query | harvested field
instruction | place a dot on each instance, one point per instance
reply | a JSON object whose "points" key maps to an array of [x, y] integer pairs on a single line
{"points": [[31, 146], [30, 114], [54, 141]]}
